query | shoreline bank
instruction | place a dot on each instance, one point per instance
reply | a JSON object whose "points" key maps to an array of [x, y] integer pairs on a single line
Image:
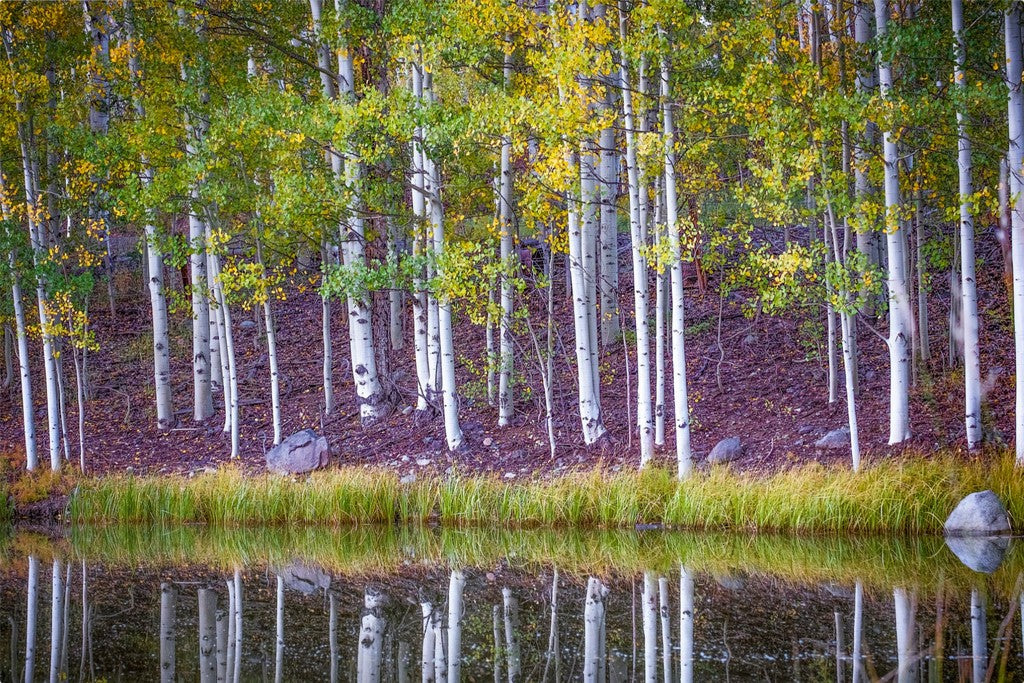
{"points": [[906, 496]]}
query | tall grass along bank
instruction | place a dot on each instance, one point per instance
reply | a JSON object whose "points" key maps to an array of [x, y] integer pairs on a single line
{"points": [[898, 496]]}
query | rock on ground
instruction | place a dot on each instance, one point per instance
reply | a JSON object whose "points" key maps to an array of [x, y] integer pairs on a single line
{"points": [[978, 514], [305, 580], [726, 450], [834, 440], [301, 452], [980, 553]]}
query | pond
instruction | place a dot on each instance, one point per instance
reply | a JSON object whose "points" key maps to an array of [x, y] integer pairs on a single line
{"points": [[408, 604]]}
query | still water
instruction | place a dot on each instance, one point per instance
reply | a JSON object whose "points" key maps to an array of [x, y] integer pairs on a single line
{"points": [[372, 604]]}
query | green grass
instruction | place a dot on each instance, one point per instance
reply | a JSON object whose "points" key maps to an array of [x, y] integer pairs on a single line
{"points": [[879, 562], [908, 496]]}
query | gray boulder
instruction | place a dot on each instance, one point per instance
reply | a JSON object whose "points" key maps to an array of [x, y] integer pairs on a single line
{"points": [[834, 440], [726, 450], [305, 580], [982, 554], [301, 452], [978, 514]]}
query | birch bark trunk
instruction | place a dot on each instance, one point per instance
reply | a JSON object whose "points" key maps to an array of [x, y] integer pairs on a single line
{"points": [[456, 585], [505, 357], [899, 296], [638, 239], [168, 614], [686, 604], [28, 419], [684, 452], [968, 286], [1015, 160]]}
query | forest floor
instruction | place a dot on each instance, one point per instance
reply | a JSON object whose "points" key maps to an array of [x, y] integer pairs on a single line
{"points": [[762, 379]]}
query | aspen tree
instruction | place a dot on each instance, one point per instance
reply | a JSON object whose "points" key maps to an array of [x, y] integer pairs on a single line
{"points": [[968, 288], [1015, 162], [899, 295], [638, 239], [684, 453]]}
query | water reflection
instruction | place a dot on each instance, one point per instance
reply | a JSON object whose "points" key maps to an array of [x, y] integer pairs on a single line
{"points": [[469, 606]]}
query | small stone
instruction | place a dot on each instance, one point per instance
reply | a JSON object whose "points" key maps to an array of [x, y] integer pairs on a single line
{"points": [[129, 469], [510, 475], [518, 453], [405, 458], [749, 340], [210, 470], [488, 441], [980, 553], [408, 479], [406, 410], [731, 582], [834, 440], [248, 324], [979, 514], [428, 440], [726, 450], [301, 452], [806, 429], [305, 580], [491, 577], [423, 462]]}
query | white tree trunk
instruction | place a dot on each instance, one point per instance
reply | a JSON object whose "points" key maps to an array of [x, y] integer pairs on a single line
{"points": [[161, 336], [348, 169], [279, 630], [867, 240], [275, 379], [56, 621], [638, 239], [168, 613], [899, 295], [446, 342], [38, 250], [512, 650], [427, 652], [552, 659], [207, 635], [609, 230], [968, 288], [906, 651], [420, 307], [326, 341], [440, 665], [685, 625], [154, 272], [979, 637], [456, 584], [505, 357], [223, 638], [583, 316], [229, 351], [28, 419], [847, 325], [858, 632], [684, 452], [1015, 160], [31, 618], [666, 630], [371, 637], [649, 600], [661, 286], [593, 624]]}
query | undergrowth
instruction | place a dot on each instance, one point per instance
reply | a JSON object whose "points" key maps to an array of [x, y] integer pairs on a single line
{"points": [[908, 496]]}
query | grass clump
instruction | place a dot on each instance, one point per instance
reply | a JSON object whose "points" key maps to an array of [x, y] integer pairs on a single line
{"points": [[908, 496]]}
